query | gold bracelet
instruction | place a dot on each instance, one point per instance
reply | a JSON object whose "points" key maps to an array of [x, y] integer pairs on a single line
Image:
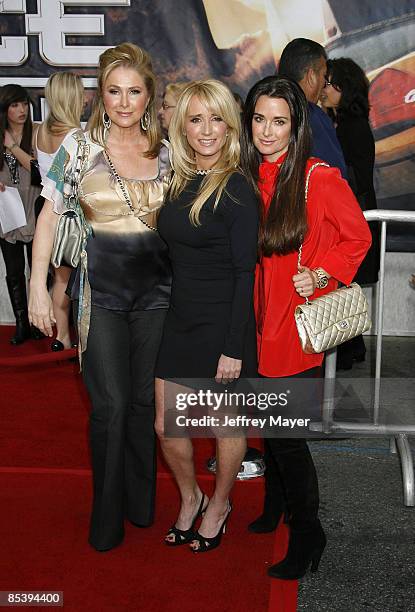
{"points": [[13, 146]]}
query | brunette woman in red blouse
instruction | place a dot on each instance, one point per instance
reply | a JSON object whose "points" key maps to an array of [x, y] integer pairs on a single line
{"points": [[335, 238]]}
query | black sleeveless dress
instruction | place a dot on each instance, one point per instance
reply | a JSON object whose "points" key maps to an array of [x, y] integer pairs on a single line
{"points": [[211, 308]]}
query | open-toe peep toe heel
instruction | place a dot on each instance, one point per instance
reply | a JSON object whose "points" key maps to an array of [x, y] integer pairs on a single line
{"points": [[206, 544], [185, 536]]}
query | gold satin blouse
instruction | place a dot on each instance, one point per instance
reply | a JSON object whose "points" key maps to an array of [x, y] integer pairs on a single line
{"points": [[128, 266]]}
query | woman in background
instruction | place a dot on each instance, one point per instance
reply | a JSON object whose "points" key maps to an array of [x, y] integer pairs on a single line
{"points": [[16, 154], [345, 96], [64, 93], [170, 97], [276, 145]]}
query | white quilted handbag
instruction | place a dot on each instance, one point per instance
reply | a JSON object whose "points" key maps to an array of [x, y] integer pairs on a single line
{"points": [[333, 318]]}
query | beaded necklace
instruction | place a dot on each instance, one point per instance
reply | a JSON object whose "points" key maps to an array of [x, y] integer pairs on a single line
{"points": [[124, 192]]}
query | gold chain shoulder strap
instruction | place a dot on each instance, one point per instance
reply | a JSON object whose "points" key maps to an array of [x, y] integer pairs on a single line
{"points": [[307, 184]]}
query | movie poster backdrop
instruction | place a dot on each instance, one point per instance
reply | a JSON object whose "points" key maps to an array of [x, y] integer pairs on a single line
{"points": [[238, 42]]}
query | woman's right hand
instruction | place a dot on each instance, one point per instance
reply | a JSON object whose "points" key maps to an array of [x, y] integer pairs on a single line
{"points": [[41, 310]]}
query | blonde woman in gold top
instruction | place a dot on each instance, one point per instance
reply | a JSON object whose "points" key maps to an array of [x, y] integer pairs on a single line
{"points": [[121, 189]]}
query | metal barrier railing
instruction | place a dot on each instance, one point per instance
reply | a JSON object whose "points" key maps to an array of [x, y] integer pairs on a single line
{"points": [[398, 433]]}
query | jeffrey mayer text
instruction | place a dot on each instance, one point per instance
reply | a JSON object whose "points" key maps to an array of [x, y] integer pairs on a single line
{"points": [[240, 421]]}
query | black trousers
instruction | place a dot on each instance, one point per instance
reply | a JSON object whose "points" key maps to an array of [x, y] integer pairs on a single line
{"points": [[291, 476], [118, 370]]}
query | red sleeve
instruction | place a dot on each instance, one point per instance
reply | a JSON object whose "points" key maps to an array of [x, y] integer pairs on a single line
{"points": [[342, 211]]}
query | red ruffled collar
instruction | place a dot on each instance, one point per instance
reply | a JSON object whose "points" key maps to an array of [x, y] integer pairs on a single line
{"points": [[269, 169]]}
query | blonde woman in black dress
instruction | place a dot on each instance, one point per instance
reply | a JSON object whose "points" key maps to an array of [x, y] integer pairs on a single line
{"points": [[209, 222]]}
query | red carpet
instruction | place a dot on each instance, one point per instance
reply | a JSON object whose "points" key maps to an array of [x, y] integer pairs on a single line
{"points": [[283, 597], [44, 548], [45, 499], [29, 348]]}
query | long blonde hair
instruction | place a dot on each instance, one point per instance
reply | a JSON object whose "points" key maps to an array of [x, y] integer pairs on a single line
{"points": [[130, 56], [220, 101], [64, 93]]}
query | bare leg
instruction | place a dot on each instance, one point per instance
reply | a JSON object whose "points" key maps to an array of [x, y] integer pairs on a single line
{"points": [[229, 455], [61, 305], [178, 453]]}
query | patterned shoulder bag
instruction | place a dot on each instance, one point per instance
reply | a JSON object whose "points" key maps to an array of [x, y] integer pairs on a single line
{"points": [[72, 230]]}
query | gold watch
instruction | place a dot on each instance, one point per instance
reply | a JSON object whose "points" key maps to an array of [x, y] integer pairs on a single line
{"points": [[322, 278]]}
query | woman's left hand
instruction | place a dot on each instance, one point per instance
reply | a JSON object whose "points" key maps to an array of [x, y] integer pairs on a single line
{"points": [[228, 369], [305, 282]]}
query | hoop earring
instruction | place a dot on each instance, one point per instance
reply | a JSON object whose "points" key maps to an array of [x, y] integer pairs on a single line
{"points": [[145, 121], [107, 123]]}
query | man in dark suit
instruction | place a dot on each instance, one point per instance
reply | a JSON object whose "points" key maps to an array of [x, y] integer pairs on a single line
{"points": [[304, 61]]}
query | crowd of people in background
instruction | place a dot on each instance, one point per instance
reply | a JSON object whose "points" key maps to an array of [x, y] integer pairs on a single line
{"points": [[197, 210]]}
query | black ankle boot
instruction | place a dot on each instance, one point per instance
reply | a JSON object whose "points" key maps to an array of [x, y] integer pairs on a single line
{"points": [[18, 298], [305, 546], [23, 331], [274, 501]]}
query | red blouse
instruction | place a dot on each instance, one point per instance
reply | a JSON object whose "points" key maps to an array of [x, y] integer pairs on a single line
{"points": [[337, 240]]}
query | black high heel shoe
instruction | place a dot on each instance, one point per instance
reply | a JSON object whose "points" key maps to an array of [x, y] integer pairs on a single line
{"points": [[57, 346], [185, 536], [304, 548], [206, 544]]}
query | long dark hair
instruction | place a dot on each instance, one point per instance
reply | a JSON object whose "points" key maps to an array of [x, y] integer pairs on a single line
{"points": [[348, 78], [9, 94], [285, 224]]}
